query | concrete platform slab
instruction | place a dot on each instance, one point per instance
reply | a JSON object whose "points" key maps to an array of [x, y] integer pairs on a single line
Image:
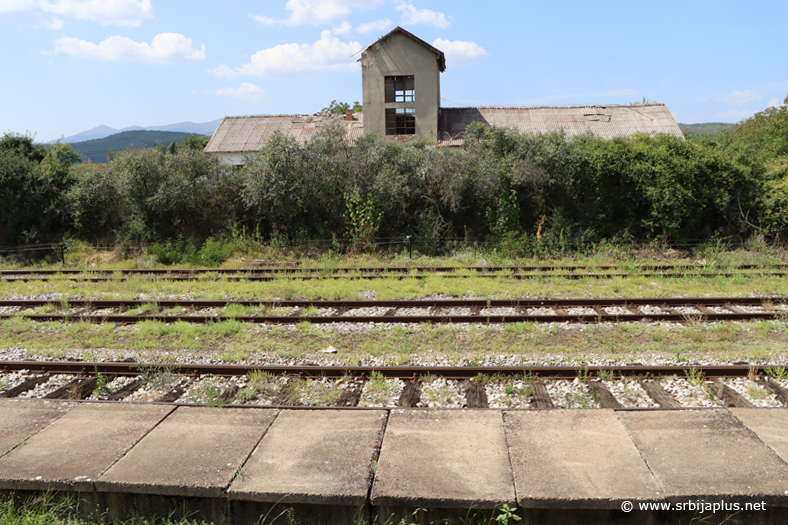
{"points": [[195, 452], [705, 453], [20, 418], [575, 459], [770, 425], [313, 457], [78, 447], [443, 459]]}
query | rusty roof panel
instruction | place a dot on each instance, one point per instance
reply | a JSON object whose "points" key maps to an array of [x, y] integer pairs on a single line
{"points": [[251, 133], [603, 121]]}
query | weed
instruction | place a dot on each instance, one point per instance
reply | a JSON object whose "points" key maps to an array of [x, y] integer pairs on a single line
{"points": [[208, 392], [604, 375], [101, 384], [777, 372], [507, 513], [310, 311], [159, 376], [240, 473], [261, 382], [695, 377], [757, 392], [580, 400], [582, 374], [233, 356], [377, 386]]}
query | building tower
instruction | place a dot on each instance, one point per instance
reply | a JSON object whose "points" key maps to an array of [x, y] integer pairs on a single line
{"points": [[400, 75]]}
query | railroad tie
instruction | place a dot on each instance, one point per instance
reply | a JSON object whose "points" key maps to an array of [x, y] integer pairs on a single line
{"points": [[658, 394], [411, 395], [541, 397], [125, 390], [776, 389], [349, 397], [475, 395], [171, 396], [729, 396], [605, 398], [79, 388], [25, 386]]}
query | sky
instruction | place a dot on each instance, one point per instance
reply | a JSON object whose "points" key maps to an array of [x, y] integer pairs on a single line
{"points": [[71, 65]]}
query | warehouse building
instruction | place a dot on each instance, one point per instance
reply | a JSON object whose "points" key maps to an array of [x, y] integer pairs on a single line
{"points": [[400, 76]]}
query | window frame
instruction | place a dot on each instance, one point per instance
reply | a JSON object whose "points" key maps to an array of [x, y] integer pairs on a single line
{"points": [[400, 89], [400, 121]]}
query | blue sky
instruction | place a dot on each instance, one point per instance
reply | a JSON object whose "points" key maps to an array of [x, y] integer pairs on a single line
{"points": [[70, 65]]}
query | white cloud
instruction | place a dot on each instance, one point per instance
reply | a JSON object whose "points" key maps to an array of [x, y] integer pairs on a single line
{"points": [[7, 6], [264, 20], [342, 29], [246, 91], [412, 15], [377, 25], [458, 52], [105, 12], [774, 102], [734, 114], [164, 48], [317, 12], [741, 97], [327, 54]]}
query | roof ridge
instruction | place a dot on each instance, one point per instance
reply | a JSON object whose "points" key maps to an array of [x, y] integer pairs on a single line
{"points": [[578, 106]]}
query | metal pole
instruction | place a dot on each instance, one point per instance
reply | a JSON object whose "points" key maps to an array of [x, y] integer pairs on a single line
{"points": [[410, 247]]}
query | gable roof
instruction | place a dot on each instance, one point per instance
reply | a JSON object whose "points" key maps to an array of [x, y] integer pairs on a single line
{"points": [[251, 133], [439, 54], [605, 122]]}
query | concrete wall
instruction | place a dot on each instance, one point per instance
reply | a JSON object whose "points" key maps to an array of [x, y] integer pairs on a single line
{"points": [[401, 55], [236, 159]]}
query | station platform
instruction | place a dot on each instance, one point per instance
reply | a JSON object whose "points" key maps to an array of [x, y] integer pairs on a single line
{"points": [[241, 465]]}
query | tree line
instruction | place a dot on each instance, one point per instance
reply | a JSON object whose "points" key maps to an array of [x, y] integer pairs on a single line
{"points": [[500, 184]]}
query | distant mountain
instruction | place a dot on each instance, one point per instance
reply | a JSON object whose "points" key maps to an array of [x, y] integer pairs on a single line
{"points": [[95, 150], [99, 132], [712, 128]]}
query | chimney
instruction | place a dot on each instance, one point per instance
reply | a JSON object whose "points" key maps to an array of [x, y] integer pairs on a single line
{"points": [[348, 114]]}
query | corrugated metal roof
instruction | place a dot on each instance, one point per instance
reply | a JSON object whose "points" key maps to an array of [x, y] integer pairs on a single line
{"points": [[250, 133], [605, 122]]}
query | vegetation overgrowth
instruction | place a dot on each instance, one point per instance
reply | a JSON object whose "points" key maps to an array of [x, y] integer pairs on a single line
{"points": [[234, 341], [524, 191]]}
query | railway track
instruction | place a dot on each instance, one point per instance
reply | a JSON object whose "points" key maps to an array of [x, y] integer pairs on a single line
{"points": [[621, 387], [403, 311], [417, 272]]}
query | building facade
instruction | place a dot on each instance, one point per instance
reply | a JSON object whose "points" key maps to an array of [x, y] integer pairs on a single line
{"points": [[400, 77]]}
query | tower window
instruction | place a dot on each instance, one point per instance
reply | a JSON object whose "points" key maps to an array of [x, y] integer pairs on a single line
{"points": [[400, 89], [400, 121]]}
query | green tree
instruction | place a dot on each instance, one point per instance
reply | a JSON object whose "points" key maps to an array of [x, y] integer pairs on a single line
{"points": [[33, 181], [341, 107]]}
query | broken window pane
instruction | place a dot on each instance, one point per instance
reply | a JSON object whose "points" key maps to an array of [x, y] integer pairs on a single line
{"points": [[400, 121], [400, 89]]}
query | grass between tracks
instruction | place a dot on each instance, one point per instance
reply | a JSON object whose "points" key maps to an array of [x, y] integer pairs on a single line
{"points": [[232, 341], [407, 288], [469, 345]]}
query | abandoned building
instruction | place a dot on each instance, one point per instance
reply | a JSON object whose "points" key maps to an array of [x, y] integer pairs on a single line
{"points": [[400, 76]]}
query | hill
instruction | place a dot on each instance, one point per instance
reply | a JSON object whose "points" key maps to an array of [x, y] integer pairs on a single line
{"points": [[96, 150], [711, 128], [99, 132]]}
